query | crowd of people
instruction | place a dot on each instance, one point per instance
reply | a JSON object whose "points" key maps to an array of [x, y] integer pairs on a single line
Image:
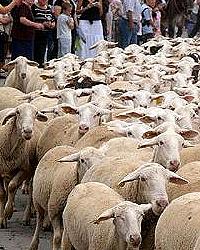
{"points": [[45, 29]]}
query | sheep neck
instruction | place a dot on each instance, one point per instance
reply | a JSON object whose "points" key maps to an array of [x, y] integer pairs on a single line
{"points": [[12, 147]]}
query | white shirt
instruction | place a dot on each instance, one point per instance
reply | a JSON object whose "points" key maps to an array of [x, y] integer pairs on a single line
{"points": [[63, 30], [134, 6]]}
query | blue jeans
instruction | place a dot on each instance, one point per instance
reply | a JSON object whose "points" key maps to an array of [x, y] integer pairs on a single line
{"points": [[126, 35], [22, 48]]}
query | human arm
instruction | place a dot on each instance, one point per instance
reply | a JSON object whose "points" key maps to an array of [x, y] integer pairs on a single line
{"points": [[70, 23], [130, 19], [9, 7], [27, 22]]}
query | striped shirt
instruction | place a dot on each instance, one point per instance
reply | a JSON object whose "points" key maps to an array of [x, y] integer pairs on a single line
{"points": [[42, 15], [133, 6]]}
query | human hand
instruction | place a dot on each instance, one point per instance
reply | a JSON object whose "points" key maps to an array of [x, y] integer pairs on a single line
{"points": [[131, 24], [39, 26], [17, 2]]}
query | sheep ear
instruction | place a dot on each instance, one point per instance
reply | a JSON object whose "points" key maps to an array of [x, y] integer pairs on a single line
{"points": [[130, 177], [145, 208], [83, 92], [188, 98], [150, 134], [10, 114], [51, 94], [70, 109], [108, 214], [10, 65], [126, 97], [118, 105], [32, 63], [174, 178], [70, 158], [44, 77], [41, 117], [188, 134], [129, 114], [158, 98], [148, 143], [147, 119]]}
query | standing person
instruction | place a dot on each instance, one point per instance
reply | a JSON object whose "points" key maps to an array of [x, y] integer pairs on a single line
{"points": [[90, 12], [9, 7], [65, 24], [112, 18], [58, 11], [23, 30], [129, 22], [43, 15], [147, 23], [196, 27], [5, 20]]}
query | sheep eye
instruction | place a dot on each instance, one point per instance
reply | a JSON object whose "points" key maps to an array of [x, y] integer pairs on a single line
{"points": [[129, 133], [142, 178], [82, 160], [17, 112], [161, 142], [159, 118], [133, 97], [98, 114]]}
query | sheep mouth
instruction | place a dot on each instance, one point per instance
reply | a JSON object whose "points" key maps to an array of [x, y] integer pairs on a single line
{"points": [[27, 136]]}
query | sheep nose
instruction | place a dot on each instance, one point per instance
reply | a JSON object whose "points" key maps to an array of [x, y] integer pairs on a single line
{"points": [[143, 106], [27, 130], [162, 203], [174, 165], [135, 240], [83, 128], [23, 75]]}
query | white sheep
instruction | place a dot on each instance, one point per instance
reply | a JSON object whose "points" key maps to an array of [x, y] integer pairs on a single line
{"points": [[52, 183], [82, 227], [178, 226], [19, 136], [22, 71]]}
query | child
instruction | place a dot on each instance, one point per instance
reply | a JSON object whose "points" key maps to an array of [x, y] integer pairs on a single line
{"points": [[65, 24], [112, 17]]}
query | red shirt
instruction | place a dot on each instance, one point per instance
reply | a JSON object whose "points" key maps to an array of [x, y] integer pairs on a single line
{"points": [[19, 30]]}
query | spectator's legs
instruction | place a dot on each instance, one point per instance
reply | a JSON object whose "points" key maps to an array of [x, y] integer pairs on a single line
{"points": [[2, 49], [64, 46], [40, 44], [52, 51], [22, 48], [196, 26], [124, 33], [134, 34], [73, 41]]}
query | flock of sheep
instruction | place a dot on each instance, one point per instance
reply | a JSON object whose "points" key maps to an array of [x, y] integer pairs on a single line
{"points": [[106, 149]]}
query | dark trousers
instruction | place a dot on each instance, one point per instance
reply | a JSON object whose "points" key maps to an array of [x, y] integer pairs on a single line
{"points": [[196, 26], [22, 48], [52, 45], [3, 41], [40, 44]]}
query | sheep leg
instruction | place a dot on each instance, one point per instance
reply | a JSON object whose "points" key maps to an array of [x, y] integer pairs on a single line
{"points": [[27, 212], [12, 188], [39, 220], [66, 245], [56, 224], [2, 204]]}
